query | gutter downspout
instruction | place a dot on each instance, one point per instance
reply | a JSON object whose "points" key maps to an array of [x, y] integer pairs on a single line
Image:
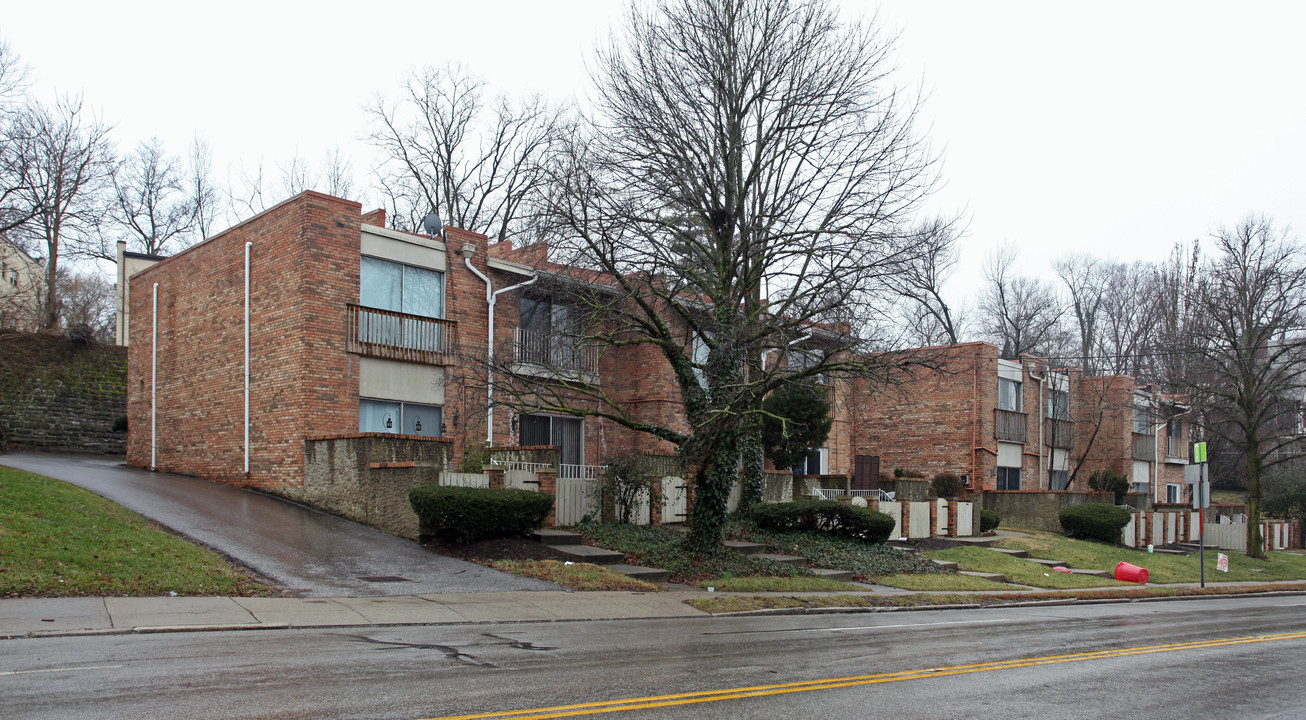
{"points": [[154, 378], [1040, 429], [491, 299], [248, 246]]}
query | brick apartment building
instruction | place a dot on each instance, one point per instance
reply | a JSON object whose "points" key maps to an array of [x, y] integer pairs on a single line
{"points": [[356, 330], [1005, 425]]}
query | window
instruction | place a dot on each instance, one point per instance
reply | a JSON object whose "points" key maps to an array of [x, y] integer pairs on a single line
{"points": [[1142, 420], [566, 433], [1058, 404], [816, 462], [402, 418], [1172, 493], [800, 360], [1059, 479], [1009, 478], [386, 285], [1009, 395], [699, 352]]}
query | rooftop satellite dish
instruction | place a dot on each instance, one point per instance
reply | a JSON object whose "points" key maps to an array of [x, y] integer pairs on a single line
{"points": [[431, 223]]}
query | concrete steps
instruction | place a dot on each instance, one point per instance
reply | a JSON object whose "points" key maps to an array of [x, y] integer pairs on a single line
{"points": [[637, 572], [747, 548], [995, 577], [794, 560], [946, 564], [590, 554], [1050, 563], [827, 574], [556, 537], [1012, 553], [1094, 573]]}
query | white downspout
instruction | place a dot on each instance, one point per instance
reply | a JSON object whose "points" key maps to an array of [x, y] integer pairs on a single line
{"points": [[154, 378], [1039, 420], [248, 246], [491, 299]]}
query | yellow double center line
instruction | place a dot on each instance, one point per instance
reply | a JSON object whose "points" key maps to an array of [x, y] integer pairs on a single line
{"points": [[657, 701]]}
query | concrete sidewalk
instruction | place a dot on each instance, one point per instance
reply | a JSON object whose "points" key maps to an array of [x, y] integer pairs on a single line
{"points": [[38, 617]]}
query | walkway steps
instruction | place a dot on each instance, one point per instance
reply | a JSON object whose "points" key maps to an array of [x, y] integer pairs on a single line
{"points": [[995, 577], [589, 554], [1012, 553], [556, 537], [1050, 563], [747, 548], [637, 572], [827, 574], [786, 559], [946, 564], [1093, 573]]}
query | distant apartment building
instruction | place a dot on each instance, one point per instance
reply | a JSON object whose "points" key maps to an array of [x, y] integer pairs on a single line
{"points": [[22, 282]]}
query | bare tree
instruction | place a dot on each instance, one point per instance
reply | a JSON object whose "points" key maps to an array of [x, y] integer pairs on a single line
{"points": [[481, 166], [929, 319], [333, 175], [1247, 351], [1022, 314], [87, 304], [200, 187], [748, 175], [1086, 279], [151, 204], [66, 159], [1126, 336], [13, 171]]}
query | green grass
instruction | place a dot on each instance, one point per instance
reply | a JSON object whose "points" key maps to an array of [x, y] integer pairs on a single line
{"points": [[664, 547], [779, 584], [1161, 567], [576, 576], [1019, 570], [866, 561], [58, 540], [940, 582]]}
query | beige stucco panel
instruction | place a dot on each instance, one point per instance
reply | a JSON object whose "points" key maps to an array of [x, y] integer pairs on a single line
{"points": [[403, 248], [406, 382]]}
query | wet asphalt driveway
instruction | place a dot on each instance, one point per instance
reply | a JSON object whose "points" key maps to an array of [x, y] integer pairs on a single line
{"points": [[296, 546]]}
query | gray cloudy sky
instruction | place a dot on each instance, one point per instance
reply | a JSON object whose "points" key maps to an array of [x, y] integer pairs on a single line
{"points": [[1113, 128]]}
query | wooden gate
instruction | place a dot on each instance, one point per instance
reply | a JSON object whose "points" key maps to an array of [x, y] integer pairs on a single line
{"points": [[866, 472], [675, 500]]}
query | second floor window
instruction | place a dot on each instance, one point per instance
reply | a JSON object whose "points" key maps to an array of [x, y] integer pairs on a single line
{"points": [[386, 285], [1142, 420], [1058, 404], [1009, 395]]}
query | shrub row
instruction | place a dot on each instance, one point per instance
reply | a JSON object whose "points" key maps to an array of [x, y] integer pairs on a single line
{"points": [[831, 516], [465, 515], [1095, 521]]}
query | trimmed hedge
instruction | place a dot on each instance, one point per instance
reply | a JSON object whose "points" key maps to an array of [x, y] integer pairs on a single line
{"points": [[465, 515], [989, 520], [1095, 521], [829, 516]]}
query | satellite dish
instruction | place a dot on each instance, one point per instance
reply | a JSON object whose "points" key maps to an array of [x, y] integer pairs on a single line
{"points": [[431, 223]]}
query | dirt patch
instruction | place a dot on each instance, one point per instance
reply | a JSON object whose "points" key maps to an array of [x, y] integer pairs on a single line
{"points": [[497, 549]]}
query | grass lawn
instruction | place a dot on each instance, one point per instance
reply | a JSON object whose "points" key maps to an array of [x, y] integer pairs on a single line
{"points": [[59, 540], [1161, 567], [948, 581], [1019, 570], [577, 576], [778, 584]]}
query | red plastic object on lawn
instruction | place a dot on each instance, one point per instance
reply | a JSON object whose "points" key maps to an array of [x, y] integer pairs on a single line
{"points": [[1131, 573], [1061, 569]]}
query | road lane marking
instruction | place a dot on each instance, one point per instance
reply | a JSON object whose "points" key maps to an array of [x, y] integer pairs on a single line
{"points": [[657, 701], [858, 627], [50, 670]]}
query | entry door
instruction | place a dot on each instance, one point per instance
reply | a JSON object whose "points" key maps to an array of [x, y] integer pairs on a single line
{"points": [[866, 472]]}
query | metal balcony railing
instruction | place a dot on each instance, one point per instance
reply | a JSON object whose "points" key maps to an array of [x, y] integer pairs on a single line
{"points": [[1144, 447], [555, 354], [400, 336], [1010, 426]]}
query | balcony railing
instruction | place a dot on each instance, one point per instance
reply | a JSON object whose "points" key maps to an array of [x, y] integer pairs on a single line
{"points": [[400, 336], [1144, 447], [1060, 433], [1176, 447], [556, 355], [1010, 426]]}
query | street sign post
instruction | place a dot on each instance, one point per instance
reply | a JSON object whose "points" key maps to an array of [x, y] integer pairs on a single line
{"points": [[1201, 501]]}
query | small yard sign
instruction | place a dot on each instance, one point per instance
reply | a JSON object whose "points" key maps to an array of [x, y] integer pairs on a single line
{"points": [[1222, 562], [1199, 452]]}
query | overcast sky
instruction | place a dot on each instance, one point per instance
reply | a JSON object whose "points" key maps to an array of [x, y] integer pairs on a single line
{"points": [[1116, 129]]}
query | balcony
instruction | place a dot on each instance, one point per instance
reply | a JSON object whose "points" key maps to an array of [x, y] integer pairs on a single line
{"points": [[1060, 434], [563, 357], [399, 336], [1176, 448], [1010, 426], [1144, 447]]}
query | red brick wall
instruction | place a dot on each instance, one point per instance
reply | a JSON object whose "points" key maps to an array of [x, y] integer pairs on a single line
{"points": [[304, 269]]}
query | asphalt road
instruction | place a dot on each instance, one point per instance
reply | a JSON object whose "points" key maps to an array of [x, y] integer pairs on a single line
{"points": [[296, 546], [1224, 658]]}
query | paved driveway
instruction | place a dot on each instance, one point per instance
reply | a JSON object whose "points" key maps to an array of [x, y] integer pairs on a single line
{"points": [[294, 545]]}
